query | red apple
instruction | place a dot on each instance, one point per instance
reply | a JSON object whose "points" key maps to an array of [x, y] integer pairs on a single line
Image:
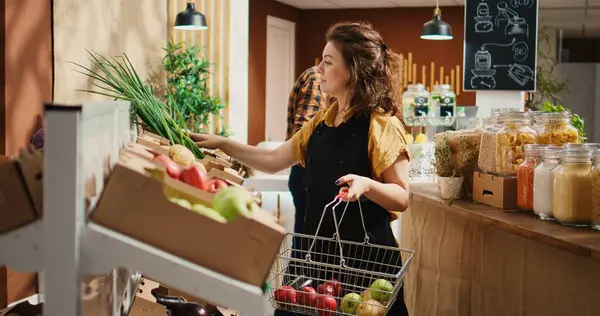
{"points": [[325, 289], [215, 185], [307, 296], [171, 167], [337, 287], [326, 305], [285, 295], [195, 176]]}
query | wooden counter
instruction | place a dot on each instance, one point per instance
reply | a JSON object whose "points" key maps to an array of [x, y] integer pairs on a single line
{"points": [[580, 241], [472, 259]]}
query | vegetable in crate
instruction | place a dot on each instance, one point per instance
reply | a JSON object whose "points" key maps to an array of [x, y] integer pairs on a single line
{"points": [[232, 201], [181, 155], [209, 212], [380, 290], [117, 79], [195, 176], [171, 167]]}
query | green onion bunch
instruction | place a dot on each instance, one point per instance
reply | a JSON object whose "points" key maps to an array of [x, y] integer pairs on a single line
{"points": [[116, 78]]}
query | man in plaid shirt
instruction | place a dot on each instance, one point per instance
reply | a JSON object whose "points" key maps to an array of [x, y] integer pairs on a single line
{"points": [[305, 100]]}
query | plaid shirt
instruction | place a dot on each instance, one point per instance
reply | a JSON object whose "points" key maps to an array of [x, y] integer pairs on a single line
{"points": [[305, 100]]}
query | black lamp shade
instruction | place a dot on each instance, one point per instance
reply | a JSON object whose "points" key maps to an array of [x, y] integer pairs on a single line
{"points": [[436, 29], [190, 19]]}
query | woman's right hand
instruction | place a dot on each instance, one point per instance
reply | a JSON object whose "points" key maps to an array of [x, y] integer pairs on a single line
{"points": [[208, 141]]}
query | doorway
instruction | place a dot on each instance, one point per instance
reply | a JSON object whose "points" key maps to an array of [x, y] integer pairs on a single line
{"points": [[281, 61]]}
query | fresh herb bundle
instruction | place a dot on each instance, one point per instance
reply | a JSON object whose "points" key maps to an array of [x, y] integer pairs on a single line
{"points": [[116, 78], [576, 120]]}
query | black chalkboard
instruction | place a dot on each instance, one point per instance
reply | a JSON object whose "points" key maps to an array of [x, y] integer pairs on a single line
{"points": [[500, 45]]}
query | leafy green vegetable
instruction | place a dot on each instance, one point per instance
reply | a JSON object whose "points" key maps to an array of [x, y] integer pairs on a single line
{"points": [[577, 121], [116, 78]]}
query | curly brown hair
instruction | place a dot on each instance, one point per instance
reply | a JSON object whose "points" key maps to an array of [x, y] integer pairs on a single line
{"points": [[375, 70]]}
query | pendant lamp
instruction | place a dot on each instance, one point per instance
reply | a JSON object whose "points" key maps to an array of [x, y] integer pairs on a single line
{"points": [[190, 19], [436, 29]]}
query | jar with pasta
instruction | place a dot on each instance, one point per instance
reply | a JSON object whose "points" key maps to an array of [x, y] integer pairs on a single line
{"points": [[543, 182], [557, 129], [515, 133], [525, 176], [573, 188], [596, 191]]}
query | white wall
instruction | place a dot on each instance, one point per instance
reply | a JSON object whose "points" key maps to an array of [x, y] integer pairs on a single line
{"points": [[584, 95]]}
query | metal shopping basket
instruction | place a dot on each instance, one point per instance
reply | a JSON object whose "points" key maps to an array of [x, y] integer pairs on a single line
{"points": [[318, 275]]}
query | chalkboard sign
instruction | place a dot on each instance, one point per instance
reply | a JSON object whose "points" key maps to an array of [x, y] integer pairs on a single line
{"points": [[500, 45]]}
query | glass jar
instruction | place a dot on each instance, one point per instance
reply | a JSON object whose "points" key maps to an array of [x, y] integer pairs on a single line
{"points": [[573, 188], [532, 157], [596, 191], [415, 105], [515, 133], [443, 106], [543, 182], [557, 129], [536, 118], [487, 150]]}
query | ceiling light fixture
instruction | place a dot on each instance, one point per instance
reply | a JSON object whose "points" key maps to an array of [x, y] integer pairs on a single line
{"points": [[190, 19], [436, 29]]}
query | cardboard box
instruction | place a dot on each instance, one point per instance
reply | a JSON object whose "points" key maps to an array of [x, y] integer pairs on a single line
{"points": [[499, 192], [144, 303], [21, 190], [161, 140], [134, 203]]}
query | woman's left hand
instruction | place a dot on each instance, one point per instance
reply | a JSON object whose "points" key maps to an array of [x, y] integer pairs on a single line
{"points": [[357, 186]]}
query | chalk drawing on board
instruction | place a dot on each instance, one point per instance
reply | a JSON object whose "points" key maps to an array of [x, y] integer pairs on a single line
{"points": [[520, 51], [483, 72], [483, 19], [514, 24], [521, 74], [521, 3]]}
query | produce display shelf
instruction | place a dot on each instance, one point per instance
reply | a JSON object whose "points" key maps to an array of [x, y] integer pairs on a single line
{"points": [[168, 269], [20, 249], [80, 142]]}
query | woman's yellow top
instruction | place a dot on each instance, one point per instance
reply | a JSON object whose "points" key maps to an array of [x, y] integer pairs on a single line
{"points": [[386, 139]]}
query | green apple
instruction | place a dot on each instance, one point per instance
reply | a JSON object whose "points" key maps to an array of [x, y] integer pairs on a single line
{"points": [[350, 303], [208, 212], [181, 202], [231, 201], [381, 290]]}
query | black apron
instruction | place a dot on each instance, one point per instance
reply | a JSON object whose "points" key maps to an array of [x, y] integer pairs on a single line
{"points": [[333, 152]]}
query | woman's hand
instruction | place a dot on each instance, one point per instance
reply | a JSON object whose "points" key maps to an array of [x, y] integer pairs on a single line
{"points": [[357, 186], [208, 141]]}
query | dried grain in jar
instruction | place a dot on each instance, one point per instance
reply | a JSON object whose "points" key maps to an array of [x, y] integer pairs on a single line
{"points": [[573, 188], [557, 129], [596, 191], [525, 176], [515, 133], [543, 182]]}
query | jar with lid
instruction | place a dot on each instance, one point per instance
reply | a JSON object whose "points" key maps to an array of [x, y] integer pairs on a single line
{"points": [[525, 176], [536, 117], [515, 133], [443, 106], [596, 191], [543, 182], [415, 105], [573, 188], [487, 150], [557, 129]]}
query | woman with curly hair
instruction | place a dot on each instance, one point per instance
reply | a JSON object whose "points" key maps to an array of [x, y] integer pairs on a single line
{"points": [[356, 146]]}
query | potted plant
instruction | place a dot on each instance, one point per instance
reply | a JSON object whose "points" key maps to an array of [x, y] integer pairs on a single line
{"points": [[188, 94], [454, 165]]}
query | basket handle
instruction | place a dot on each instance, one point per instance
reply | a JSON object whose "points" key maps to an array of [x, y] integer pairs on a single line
{"points": [[337, 200]]}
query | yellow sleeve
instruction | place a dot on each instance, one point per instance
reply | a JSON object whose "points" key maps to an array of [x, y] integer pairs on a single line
{"points": [[386, 142], [299, 141]]}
